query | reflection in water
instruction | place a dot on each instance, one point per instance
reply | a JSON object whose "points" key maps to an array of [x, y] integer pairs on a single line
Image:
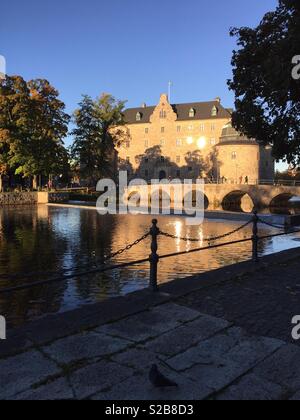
{"points": [[48, 240]]}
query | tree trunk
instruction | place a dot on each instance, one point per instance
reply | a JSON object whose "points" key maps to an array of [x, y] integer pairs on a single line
{"points": [[35, 182], [1, 183]]}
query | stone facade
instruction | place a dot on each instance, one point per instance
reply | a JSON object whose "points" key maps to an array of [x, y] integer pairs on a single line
{"points": [[184, 141]]}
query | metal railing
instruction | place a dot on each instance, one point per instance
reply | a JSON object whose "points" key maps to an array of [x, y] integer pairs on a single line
{"points": [[154, 257]]}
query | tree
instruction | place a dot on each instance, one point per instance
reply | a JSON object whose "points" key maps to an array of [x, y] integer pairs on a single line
{"points": [[197, 164], [14, 120], [100, 128], [267, 96], [42, 152], [32, 127]]}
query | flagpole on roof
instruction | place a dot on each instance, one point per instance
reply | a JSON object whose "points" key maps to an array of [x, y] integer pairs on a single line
{"points": [[169, 93]]}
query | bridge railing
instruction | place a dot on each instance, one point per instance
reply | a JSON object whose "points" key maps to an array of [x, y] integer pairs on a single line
{"points": [[154, 258]]}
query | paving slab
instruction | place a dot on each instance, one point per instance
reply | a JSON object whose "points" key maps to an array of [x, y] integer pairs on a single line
{"points": [[55, 391], [97, 377], [249, 352], [282, 368], [187, 336], [139, 388], [216, 376], [252, 388], [137, 358], [84, 346], [206, 352], [175, 312], [19, 373], [151, 323]]}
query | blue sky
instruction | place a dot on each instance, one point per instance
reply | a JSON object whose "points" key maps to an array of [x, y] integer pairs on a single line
{"points": [[126, 47]]}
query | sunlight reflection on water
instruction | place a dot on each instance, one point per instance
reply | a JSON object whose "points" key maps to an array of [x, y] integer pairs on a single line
{"points": [[49, 239]]}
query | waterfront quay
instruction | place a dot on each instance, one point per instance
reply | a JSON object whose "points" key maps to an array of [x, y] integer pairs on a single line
{"points": [[190, 329]]}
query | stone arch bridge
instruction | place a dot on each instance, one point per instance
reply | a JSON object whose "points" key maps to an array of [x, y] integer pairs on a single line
{"points": [[227, 196]]}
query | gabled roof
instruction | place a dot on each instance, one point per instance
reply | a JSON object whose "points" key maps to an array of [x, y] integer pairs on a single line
{"points": [[203, 111]]}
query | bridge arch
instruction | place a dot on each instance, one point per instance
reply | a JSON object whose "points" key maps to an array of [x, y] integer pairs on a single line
{"points": [[238, 200], [281, 200], [191, 197], [160, 200]]}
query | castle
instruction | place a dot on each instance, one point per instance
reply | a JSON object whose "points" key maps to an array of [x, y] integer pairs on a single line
{"points": [[192, 140]]}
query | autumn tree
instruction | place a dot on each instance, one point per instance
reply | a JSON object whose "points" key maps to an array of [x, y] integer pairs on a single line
{"points": [[42, 152], [33, 124], [267, 96], [100, 128], [14, 120]]}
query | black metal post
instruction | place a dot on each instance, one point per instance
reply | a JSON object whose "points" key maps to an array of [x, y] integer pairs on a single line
{"points": [[154, 258], [255, 238]]}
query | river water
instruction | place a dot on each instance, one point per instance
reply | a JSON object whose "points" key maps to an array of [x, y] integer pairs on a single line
{"points": [[38, 243]]}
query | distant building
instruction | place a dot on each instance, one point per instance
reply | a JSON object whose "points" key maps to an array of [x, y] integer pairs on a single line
{"points": [[189, 141]]}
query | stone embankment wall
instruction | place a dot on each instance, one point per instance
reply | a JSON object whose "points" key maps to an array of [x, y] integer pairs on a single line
{"points": [[22, 198]]}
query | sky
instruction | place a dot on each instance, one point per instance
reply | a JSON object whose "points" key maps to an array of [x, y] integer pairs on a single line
{"points": [[128, 48]]}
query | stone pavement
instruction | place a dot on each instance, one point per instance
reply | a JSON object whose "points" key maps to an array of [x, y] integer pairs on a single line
{"points": [[208, 357], [264, 303]]}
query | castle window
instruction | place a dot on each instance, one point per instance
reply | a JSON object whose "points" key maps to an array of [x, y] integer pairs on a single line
{"points": [[146, 130], [190, 128], [162, 130], [234, 156], [202, 127], [146, 144], [138, 116], [213, 127], [163, 114], [162, 142], [214, 111], [192, 113], [178, 129]]}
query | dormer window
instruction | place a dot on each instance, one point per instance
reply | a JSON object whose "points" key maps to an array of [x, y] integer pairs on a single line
{"points": [[192, 113], [214, 111], [138, 116]]}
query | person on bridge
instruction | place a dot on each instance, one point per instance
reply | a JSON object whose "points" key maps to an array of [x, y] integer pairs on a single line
{"points": [[241, 180], [246, 180]]}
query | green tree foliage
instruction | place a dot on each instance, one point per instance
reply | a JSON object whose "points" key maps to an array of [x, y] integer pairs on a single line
{"points": [[14, 120], [33, 124], [267, 96], [100, 128]]}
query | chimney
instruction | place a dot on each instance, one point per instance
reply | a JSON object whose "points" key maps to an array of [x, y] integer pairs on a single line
{"points": [[144, 105], [218, 99]]}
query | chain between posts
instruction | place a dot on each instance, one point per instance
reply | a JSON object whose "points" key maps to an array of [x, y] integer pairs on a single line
{"points": [[211, 239], [264, 222], [127, 248], [154, 257]]}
